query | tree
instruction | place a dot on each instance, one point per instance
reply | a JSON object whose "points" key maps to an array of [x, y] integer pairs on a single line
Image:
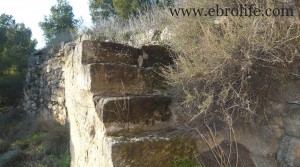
{"points": [[121, 8], [125, 8], [15, 47], [105, 8], [60, 25]]}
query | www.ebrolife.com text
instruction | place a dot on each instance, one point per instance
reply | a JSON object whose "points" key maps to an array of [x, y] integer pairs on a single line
{"points": [[242, 10]]}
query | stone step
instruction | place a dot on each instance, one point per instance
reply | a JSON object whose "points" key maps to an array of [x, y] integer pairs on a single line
{"points": [[108, 52], [121, 80], [149, 151], [133, 114]]}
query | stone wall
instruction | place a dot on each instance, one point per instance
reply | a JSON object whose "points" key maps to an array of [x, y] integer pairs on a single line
{"points": [[44, 89], [113, 101], [112, 97]]}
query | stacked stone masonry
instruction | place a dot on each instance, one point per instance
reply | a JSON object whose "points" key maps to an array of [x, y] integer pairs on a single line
{"points": [[110, 95], [44, 89], [113, 100]]}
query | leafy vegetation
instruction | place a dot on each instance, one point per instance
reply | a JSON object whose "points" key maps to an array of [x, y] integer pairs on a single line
{"points": [[15, 47], [60, 25]]}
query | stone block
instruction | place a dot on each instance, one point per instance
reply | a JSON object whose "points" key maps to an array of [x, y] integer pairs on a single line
{"points": [[133, 113], [292, 122], [149, 151], [107, 52], [121, 80]]}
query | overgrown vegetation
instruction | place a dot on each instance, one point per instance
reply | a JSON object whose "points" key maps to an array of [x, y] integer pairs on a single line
{"points": [[228, 65], [44, 143]]}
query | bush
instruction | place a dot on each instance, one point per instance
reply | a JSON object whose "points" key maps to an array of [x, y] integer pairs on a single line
{"points": [[228, 65]]}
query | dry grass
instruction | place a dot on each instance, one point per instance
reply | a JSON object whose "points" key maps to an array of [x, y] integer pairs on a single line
{"points": [[229, 67], [45, 143], [121, 31]]}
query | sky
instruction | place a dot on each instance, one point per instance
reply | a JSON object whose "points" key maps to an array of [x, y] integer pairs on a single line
{"points": [[31, 12]]}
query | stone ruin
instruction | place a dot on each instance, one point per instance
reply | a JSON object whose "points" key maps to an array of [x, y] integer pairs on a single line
{"points": [[112, 96]]}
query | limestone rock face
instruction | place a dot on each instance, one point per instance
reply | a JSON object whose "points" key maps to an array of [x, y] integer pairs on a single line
{"points": [[121, 80], [133, 114], [292, 121], [113, 109]]}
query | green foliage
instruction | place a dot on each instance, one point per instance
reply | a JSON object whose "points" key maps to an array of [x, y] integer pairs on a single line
{"points": [[185, 162], [105, 8], [60, 25], [15, 47], [122, 8]]}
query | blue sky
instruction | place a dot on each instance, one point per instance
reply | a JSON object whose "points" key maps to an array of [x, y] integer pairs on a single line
{"points": [[31, 12]]}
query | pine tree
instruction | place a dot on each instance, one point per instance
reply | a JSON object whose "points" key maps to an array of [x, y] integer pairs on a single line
{"points": [[121, 8], [15, 47], [60, 25]]}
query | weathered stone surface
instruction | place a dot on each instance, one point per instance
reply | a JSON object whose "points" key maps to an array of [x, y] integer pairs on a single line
{"points": [[259, 140], [226, 154], [99, 106], [292, 122], [149, 151], [121, 80], [262, 161], [289, 152], [107, 52], [134, 113], [156, 55]]}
